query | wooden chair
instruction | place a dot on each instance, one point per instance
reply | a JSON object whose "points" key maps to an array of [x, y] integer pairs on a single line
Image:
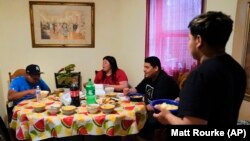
{"points": [[18, 72], [9, 104], [181, 79]]}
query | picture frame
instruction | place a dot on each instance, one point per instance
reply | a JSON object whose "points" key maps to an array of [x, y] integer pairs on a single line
{"points": [[62, 24]]}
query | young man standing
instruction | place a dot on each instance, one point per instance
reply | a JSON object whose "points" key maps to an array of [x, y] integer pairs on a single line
{"points": [[213, 92]]}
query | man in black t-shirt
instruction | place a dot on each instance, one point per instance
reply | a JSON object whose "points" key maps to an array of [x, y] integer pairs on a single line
{"points": [[157, 84], [214, 91]]}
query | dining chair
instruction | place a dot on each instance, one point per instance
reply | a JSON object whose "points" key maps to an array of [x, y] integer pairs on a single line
{"points": [[9, 104], [18, 72], [181, 79]]}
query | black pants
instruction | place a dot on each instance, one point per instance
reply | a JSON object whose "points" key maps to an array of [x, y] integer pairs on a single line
{"points": [[147, 132]]}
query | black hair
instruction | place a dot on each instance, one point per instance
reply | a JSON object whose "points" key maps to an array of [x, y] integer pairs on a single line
{"points": [[113, 65], [153, 61], [213, 27]]}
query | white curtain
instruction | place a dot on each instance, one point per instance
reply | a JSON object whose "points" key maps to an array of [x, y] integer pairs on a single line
{"points": [[168, 33]]}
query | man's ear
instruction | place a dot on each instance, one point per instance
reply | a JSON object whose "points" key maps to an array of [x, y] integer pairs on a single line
{"points": [[156, 68], [198, 41]]}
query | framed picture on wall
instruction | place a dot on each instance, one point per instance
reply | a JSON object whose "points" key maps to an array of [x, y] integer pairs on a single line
{"points": [[62, 24]]}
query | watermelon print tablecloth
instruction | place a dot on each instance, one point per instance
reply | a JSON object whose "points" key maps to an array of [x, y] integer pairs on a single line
{"points": [[125, 120]]}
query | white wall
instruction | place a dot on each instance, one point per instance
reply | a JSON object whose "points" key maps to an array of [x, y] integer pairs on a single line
{"points": [[228, 7], [119, 31]]}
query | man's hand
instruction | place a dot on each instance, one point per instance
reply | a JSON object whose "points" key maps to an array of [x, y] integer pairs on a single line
{"points": [[125, 91], [31, 91], [162, 116], [149, 107]]}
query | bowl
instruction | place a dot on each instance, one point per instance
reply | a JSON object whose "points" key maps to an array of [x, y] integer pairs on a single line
{"points": [[128, 106], [136, 97], [110, 100], [53, 110], [109, 90], [58, 91], [44, 93], [108, 108], [171, 105], [68, 110], [93, 108], [57, 105], [38, 107], [112, 94]]}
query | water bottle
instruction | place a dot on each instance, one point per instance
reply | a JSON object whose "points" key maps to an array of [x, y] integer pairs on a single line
{"points": [[74, 93], [90, 92], [38, 94]]}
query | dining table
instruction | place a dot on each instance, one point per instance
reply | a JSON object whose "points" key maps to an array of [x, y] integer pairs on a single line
{"points": [[128, 118]]}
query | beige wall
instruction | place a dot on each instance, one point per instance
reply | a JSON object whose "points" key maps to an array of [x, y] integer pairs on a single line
{"points": [[228, 7], [119, 31]]}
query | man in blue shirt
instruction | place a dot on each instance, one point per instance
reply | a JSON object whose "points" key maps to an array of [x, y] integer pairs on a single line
{"points": [[24, 87]]}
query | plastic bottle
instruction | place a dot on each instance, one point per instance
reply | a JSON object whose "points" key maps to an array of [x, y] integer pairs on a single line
{"points": [[38, 94], [90, 92], [74, 93]]}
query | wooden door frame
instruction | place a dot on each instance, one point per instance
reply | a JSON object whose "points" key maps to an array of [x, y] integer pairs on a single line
{"points": [[241, 40]]}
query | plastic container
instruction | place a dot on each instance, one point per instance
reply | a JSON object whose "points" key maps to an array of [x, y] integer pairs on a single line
{"points": [[90, 92], [38, 94], [74, 93]]}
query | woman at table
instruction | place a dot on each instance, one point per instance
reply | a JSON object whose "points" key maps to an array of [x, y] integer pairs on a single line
{"points": [[111, 75]]}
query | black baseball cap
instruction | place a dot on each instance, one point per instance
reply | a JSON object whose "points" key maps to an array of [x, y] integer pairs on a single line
{"points": [[33, 69]]}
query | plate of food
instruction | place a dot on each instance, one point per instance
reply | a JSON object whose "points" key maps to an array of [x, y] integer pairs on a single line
{"points": [[110, 100], [169, 104]]}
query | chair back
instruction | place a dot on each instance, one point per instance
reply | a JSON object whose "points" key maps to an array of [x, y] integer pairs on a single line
{"points": [[18, 72], [181, 79], [9, 104], [64, 80]]}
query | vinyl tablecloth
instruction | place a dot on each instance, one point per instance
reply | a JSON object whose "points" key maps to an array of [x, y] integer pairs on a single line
{"points": [[127, 119]]}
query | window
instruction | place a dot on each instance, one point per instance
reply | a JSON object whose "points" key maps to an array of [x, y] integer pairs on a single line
{"points": [[167, 33]]}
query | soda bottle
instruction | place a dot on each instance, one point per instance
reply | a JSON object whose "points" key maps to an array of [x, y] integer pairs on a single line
{"points": [[74, 93], [90, 92], [38, 94]]}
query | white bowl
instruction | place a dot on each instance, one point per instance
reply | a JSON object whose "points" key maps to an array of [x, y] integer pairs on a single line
{"points": [[108, 108], [44, 94], [68, 110], [39, 107], [109, 90], [112, 94], [93, 108], [53, 110]]}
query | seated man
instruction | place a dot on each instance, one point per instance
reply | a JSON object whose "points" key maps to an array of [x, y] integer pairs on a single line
{"points": [[24, 87], [157, 84]]}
